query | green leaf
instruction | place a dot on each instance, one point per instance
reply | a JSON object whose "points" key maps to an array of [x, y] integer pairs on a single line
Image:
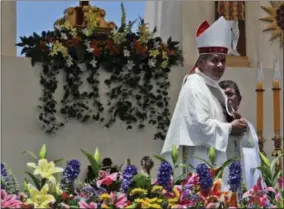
{"points": [[42, 152], [276, 176], [225, 164], [219, 173], [264, 159], [142, 181], [159, 157], [180, 178], [93, 162], [174, 154], [35, 180], [132, 206], [97, 156], [184, 165], [273, 163], [206, 162], [58, 160], [31, 154]]}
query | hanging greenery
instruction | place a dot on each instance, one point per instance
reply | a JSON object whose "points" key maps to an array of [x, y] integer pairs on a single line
{"points": [[137, 65]]}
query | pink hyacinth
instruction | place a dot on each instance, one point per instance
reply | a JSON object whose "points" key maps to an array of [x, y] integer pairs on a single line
{"points": [[85, 205], [9, 201]]}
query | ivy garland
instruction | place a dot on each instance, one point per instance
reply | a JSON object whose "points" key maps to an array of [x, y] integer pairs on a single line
{"points": [[137, 65]]}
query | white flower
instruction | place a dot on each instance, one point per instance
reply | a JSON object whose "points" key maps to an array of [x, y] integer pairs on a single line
{"points": [[64, 36], [152, 63], [126, 53], [58, 27], [87, 43], [69, 61], [89, 49], [130, 64], [94, 63], [86, 32], [157, 44]]}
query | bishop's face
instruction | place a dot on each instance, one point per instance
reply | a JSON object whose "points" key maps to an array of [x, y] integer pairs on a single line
{"points": [[214, 67]]}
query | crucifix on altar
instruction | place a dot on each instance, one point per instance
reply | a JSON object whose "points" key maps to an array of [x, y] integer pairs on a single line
{"points": [[234, 13]]}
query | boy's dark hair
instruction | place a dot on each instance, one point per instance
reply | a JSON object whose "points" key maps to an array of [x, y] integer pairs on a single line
{"points": [[230, 84]]}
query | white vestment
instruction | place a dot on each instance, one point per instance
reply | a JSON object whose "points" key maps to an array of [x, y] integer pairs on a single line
{"points": [[251, 161], [198, 122]]}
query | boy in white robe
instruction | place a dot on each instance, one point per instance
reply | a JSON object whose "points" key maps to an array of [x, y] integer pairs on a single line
{"points": [[198, 121], [251, 159]]}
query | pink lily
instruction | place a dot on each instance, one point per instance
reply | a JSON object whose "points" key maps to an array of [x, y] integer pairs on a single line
{"points": [[192, 179], [107, 179], [9, 201], [258, 194], [119, 201], [85, 205]]}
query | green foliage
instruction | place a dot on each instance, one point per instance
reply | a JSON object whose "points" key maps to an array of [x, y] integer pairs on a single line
{"points": [[142, 181], [93, 162], [269, 172], [137, 65]]}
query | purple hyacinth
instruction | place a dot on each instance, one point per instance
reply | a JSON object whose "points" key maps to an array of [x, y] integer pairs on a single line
{"points": [[164, 175], [235, 176], [70, 173], [205, 178], [4, 176], [127, 176]]}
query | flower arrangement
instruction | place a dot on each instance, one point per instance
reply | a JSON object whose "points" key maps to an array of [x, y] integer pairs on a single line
{"points": [[51, 186], [136, 64]]}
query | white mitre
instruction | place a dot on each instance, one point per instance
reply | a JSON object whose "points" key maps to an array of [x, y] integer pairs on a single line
{"points": [[213, 38]]}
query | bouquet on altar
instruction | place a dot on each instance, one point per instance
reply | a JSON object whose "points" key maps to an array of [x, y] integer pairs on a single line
{"points": [[50, 186]]}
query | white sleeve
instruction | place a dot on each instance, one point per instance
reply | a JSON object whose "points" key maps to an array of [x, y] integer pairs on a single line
{"points": [[211, 131]]}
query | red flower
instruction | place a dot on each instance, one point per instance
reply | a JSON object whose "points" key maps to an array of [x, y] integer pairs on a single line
{"points": [[42, 46], [97, 49], [64, 195], [171, 52]]}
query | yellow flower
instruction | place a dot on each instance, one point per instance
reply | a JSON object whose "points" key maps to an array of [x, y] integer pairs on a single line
{"points": [[45, 169], [172, 201], [157, 206], [91, 18], [58, 47], [154, 53], [157, 188], [104, 196], [164, 55], [40, 199], [164, 64], [105, 206], [66, 25], [149, 203], [138, 191]]}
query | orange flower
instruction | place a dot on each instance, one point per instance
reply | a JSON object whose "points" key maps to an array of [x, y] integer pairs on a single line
{"points": [[216, 196], [140, 49]]}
